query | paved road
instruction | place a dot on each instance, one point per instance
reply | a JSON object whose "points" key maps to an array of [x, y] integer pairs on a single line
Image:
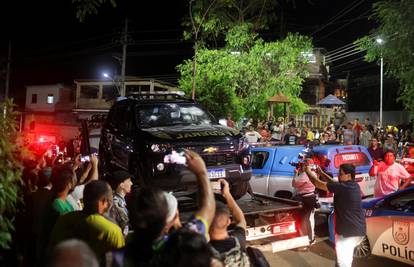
{"points": [[321, 254]]}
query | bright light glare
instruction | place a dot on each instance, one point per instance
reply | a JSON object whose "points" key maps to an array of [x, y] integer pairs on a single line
{"points": [[105, 75], [379, 40]]}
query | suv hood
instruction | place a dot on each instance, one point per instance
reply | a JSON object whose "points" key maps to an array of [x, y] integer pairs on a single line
{"points": [[191, 132]]}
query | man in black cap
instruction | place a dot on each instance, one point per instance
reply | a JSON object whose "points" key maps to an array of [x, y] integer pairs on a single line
{"points": [[121, 185]]}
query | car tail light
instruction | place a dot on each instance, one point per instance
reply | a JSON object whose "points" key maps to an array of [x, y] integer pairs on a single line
{"points": [[281, 229]]}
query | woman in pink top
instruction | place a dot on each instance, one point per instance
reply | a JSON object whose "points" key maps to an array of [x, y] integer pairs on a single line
{"points": [[306, 194], [389, 175]]}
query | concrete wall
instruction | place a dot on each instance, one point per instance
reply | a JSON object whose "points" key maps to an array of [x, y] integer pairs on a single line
{"points": [[394, 117], [42, 92]]}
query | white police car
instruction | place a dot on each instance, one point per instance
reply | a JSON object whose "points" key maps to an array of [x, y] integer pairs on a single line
{"points": [[390, 227]]}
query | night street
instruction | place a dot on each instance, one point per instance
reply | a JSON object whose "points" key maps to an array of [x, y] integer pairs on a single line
{"points": [[206, 133]]}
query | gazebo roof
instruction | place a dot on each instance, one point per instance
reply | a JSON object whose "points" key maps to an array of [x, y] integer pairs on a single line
{"points": [[331, 100], [279, 98]]}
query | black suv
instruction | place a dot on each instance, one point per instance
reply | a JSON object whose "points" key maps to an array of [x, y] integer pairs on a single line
{"points": [[140, 130]]}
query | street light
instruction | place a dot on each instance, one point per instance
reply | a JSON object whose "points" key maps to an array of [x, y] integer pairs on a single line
{"points": [[106, 75], [380, 41]]}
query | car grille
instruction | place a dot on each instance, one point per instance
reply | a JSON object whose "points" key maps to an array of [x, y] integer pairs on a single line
{"points": [[218, 159], [225, 155]]}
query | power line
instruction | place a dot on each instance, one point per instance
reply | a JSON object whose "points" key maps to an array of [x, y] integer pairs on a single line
{"points": [[343, 12], [346, 63], [332, 55], [343, 26], [342, 55], [347, 55]]}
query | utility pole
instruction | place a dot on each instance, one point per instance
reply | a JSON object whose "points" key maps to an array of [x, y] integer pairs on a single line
{"points": [[124, 53], [6, 94]]}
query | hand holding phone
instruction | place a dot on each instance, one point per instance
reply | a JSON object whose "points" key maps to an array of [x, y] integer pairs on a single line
{"points": [[175, 158], [86, 158], [216, 187]]}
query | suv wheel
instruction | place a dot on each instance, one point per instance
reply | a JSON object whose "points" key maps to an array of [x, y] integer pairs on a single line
{"points": [[363, 250], [239, 189]]}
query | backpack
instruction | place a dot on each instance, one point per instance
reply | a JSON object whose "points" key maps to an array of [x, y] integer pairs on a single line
{"points": [[257, 259], [234, 257]]}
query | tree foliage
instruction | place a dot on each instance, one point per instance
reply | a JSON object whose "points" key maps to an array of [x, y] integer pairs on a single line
{"points": [[240, 77], [88, 7], [9, 172], [214, 18], [395, 19]]}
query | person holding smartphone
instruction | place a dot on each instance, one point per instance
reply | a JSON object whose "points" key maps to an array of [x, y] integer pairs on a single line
{"points": [[226, 247]]}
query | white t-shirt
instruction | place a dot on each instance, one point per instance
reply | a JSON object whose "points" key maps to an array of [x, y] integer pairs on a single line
{"points": [[75, 197], [277, 132], [252, 136], [389, 178]]}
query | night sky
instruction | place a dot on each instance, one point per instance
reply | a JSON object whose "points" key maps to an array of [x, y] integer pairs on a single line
{"points": [[50, 45]]}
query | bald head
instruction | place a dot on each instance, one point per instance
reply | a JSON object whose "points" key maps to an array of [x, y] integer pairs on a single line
{"points": [[73, 253]]}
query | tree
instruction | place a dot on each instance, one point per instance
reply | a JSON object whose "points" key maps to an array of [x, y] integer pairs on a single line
{"points": [[395, 19], [214, 18], [9, 172], [240, 77], [88, 7]]}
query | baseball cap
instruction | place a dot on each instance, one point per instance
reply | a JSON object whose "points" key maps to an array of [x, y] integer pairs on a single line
{"points": [[118, 177], [172, 206]]}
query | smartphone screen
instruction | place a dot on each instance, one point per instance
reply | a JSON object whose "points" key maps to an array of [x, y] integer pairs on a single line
{"points": [[175, 158], [85, 158], [216, 186]]}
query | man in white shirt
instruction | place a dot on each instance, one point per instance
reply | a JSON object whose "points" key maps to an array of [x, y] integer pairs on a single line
{"points": [[252, 136]]}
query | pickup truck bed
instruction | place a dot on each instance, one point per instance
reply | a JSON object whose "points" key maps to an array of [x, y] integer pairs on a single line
{"points": [[272, 222], [263, 204]]}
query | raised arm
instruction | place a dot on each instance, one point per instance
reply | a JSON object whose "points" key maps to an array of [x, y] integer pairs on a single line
{"points": [[207, 204], [325, 176], [315, 180], [235, 210]]}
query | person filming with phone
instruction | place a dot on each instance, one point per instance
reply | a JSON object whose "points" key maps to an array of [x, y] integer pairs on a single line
{"points": [[350, 226], [229, 248], [306, 194]]}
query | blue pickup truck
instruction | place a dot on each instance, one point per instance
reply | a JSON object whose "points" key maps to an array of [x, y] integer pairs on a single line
{"points": [[273, 171]]}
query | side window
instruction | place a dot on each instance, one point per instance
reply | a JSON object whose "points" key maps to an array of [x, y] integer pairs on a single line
{"points": [[404, 203], [259, 159], [119, 118]]}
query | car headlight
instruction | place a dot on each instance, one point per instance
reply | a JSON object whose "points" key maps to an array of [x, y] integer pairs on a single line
{"points": [[243, 144], [159, 147]]}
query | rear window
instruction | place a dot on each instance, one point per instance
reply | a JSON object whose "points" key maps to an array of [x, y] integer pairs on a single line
{"points": [[259, 159], [355, 158]]}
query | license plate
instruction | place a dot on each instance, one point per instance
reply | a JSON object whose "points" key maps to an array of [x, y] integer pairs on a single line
{"points": [[216, 173]]}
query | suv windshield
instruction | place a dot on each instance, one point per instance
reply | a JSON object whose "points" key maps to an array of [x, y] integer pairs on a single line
{"points": [[168, 114]]}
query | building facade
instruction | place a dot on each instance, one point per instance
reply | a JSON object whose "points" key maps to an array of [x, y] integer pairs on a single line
{"points": [[48, 113]]}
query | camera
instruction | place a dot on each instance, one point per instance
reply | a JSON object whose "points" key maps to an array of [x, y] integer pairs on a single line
{"points": [[176, 157]]}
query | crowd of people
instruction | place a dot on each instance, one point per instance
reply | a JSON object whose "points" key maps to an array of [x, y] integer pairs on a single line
{"points": [[388, 146], [73, 217], [350, 133]]}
